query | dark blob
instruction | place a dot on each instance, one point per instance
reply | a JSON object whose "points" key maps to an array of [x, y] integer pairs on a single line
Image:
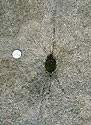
{"points": [[50, 63]]}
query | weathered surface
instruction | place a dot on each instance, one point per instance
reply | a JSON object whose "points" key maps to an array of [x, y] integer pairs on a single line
{"points": [[28, 95]]}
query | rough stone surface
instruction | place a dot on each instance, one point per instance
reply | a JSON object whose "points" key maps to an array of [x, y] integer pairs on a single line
{"points": [[28, 94]]}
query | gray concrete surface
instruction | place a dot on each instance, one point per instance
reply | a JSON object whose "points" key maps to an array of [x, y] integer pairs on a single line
{"points": [[28, 95]]}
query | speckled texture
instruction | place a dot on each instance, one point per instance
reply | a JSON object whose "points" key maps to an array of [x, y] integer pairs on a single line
{"points": [[28, 94]]}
